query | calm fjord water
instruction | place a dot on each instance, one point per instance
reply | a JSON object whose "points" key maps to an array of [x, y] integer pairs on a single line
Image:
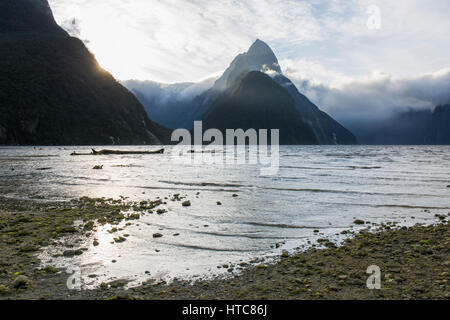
{"points": [[321, 188]]}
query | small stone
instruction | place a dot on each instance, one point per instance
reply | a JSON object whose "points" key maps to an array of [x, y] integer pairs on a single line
{"points": [[68, 229], [71, 253], [120, 239], [97, 167], [26, 247], [157, 235], [96, 243], [21, 282], [419, 289], [235, 195], [359, 222], [4, 289], [219, 203], [186, 203]]}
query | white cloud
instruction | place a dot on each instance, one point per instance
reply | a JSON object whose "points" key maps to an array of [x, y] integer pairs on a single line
{"points": [[378, 96], [324, 46], [186, 40]]}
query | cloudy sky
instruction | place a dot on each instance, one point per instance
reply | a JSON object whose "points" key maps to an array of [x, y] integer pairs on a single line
{"points": [[334, 50]]}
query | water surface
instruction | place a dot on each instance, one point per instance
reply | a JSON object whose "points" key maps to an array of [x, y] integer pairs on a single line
{"points": [[321, 188]]}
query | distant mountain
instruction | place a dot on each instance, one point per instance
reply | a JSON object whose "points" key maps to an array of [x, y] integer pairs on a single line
{"points": [[438, 132], [53, 92], [168, 103], [256, 101], [259, 57], [424, 127]]}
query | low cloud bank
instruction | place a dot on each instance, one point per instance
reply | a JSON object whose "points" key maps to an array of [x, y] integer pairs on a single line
{"points": [[379, 96]]}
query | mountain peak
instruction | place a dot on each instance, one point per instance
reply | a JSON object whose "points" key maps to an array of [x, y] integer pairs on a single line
{"points": [[259, 57], [260, 47]]}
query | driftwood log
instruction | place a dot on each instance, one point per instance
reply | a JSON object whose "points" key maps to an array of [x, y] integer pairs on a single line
{"points": [[112, 152]]}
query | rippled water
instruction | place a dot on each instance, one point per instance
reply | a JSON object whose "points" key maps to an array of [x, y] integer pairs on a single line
{"points": [[317, 187]]}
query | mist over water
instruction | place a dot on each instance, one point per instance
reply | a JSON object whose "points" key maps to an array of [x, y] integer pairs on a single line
{"points": [[321, 188]]}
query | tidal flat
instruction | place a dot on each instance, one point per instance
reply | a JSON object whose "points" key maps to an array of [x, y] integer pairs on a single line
{"points": [[414, 261]]}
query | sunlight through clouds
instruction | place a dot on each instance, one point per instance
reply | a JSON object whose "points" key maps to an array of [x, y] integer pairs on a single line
{"points": [[188, 40]]}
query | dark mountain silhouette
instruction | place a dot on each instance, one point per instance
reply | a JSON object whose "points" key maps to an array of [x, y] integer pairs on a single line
{"points": [[438, 132], [327, 130], [259, 57], [424, 127], [28, 16], [53, 92], [256, 101]]}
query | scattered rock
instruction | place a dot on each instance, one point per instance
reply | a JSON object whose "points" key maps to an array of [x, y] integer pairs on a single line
{"points": [[68, 229], [4, 290], [50, 270], [97, 167], [186, 203], [27, 247], [157, 235], [419, 289], [285, 254], [71, 253], [21, 282], [219, 203], [96, 243], [359, 222], [120, 240]]}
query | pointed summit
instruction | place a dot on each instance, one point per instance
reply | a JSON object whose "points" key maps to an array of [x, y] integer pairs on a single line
{"points": [[260, 48], [259, 57]]}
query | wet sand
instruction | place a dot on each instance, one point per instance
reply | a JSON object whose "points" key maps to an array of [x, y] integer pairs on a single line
{"points": [[414, 262]]}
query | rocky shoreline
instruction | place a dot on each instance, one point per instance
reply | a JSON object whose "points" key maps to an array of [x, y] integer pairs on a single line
{"points": [[414, 262]]}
